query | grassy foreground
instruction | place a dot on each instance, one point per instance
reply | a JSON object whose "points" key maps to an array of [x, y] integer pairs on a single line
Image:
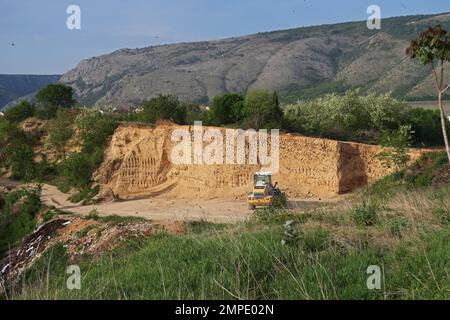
{"points": [[401, 224]]}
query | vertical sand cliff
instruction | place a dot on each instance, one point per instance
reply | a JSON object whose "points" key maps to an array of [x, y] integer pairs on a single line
{"points": [[138, 163]]}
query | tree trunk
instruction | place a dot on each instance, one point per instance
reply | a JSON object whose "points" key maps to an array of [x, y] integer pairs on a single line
{"points": [[444, 127]]}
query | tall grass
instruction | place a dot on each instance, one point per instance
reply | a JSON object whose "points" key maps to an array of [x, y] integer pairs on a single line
{"points": [[254, 265]]}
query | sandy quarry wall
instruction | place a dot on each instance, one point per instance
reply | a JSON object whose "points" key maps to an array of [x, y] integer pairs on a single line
{"points": [[138, 163]]}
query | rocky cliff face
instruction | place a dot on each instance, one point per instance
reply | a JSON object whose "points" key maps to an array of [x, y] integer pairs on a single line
{"points": [[299, 63], [138, 162]]}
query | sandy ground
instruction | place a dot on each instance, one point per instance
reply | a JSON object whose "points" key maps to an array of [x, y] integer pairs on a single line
{"points": [[159, 208], [156, 208]]}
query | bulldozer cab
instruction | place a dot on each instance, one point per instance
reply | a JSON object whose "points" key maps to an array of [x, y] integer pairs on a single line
{"points": [[262, 179]]}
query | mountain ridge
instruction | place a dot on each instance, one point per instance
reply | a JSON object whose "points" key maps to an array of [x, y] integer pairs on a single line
{"points": [[300, 63]]}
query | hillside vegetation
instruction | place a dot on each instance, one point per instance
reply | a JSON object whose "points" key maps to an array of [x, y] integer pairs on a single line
{"points": [[401, 224]]}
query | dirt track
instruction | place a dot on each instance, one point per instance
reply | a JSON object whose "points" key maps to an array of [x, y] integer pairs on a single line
{"points": [[157, 208], [163, 209], [160, 208]]}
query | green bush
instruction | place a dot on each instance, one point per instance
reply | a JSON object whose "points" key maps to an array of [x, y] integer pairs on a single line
{"points": [[60, 131], [348, 116], [76, 170], [426, 125], [280, 201], [396, 144], [365, 215], [21, 161], [53, 97], [16, 151], [14, 225], [96, 129], [227, 109], [19, 112], [93, 215], [164, 107]]}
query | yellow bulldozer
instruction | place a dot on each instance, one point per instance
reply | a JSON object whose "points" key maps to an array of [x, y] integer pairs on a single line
{"points": [[264, 192]]}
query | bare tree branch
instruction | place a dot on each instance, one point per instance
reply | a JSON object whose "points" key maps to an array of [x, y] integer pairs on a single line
{"points": [[435, 76], [448, 87]]}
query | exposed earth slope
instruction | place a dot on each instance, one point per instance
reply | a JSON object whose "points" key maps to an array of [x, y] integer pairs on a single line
{"points": [[139, 162]]}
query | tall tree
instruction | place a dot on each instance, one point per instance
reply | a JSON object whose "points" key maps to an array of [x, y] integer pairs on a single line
{"points": [[262, 110], [164, 107], [432, 47], [227, 108], [53, 97]]}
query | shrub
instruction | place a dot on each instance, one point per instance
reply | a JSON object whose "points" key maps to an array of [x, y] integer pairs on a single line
{"points": [[93, 215], [52, 97], [365, 215], [19, 216], [19, 112], [76, 170], [60, 131], [280, 201], [164, 107], [426, 125], [16, 151], [396, 144], [349, 116], [21, 161], [95, 129], [227, 109]]}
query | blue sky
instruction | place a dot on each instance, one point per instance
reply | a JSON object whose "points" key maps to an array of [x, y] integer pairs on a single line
{"points": [[43, 44]]}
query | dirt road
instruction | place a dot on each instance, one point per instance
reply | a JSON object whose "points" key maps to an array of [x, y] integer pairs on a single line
{"points": [[161, 208], [157, 208]]}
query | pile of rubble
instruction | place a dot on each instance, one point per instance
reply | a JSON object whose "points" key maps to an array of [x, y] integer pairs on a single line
{"points": [[80, 237], [103, 238]]}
